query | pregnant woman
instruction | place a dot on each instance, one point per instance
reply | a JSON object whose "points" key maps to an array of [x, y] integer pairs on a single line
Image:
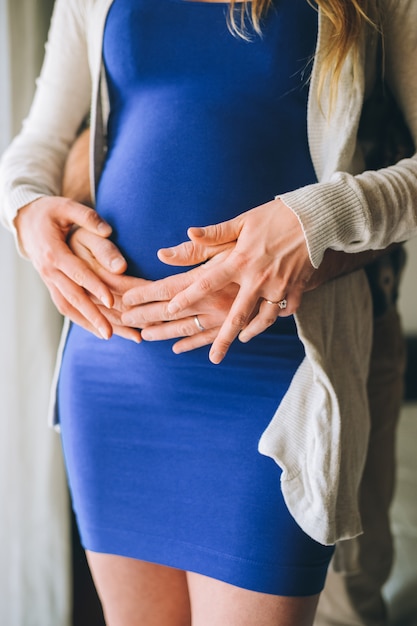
{"points": [[201, 111]]}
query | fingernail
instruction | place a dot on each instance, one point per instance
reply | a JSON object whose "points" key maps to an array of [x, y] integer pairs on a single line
{"points": [[216, 357], [167, 251], [103, 228], [198, 232], [117, 264], [104, 332], [106, 301], [128, 300], [243, 338], [173, 308], [148, 335]]}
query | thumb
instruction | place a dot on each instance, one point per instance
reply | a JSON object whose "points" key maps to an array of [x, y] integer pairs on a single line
{"points": [[81, 215], [186, 253], [189, 253], [224, 232]]}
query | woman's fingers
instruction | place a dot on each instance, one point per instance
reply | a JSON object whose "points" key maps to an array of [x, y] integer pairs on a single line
{"points": [[206, 316], [206, 282], [192, 336], [127, 333], [145, 314], [118, 284], [159, 290], [184, 327], [167, 288], [198, 340], [157, 324], [118, 328], [214, 308]]}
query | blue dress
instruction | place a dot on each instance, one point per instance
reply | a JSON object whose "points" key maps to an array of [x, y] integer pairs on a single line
{"points": [[161, 449]]}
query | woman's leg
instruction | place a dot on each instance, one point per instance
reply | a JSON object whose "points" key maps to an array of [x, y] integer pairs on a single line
{"points": [[136, 593], [215, 603]]}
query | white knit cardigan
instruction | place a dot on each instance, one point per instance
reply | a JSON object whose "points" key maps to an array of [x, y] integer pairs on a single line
{"points": [[318, 435]]}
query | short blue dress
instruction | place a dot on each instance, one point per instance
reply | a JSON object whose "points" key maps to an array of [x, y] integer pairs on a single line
{"points": [[161, 449]]}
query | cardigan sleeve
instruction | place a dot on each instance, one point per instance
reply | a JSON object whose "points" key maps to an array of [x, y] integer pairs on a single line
{"points": [[32, 166], [372, 209]]}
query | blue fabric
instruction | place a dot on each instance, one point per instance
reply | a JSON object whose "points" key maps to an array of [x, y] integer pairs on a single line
{"points": [[161, 449]]}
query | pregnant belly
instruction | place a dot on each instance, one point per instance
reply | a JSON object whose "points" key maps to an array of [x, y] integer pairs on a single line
{"points": [[163, 176]]}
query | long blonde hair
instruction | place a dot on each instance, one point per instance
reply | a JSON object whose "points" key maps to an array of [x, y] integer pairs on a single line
{"points": [[346, 20]]}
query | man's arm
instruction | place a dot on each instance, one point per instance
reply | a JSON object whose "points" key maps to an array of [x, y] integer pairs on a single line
{"points": [[76, 179], [340, 263]]}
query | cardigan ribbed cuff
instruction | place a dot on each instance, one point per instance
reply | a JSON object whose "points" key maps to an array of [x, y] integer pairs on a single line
{"points": [[332, 215], [20, 197]]}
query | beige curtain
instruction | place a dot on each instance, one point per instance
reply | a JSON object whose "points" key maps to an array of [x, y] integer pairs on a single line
{"points": [[34, 517]]}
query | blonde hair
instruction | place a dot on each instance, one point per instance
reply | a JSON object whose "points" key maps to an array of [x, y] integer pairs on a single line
{"points": [[346, 19]]}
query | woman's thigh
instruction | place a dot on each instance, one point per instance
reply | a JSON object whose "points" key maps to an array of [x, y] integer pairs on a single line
{"points": [[137, 593], [215, 603]]}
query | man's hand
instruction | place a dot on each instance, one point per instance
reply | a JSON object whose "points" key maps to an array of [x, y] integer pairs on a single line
{"points": [[105, 260], [43, 227]]}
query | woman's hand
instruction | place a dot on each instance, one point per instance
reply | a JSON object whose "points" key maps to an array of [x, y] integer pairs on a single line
{"points": [[269, 261], [43, 227], [146, 307]]}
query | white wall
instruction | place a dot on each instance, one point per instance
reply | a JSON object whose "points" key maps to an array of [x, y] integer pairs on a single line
{"points": [[34, 519]]}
